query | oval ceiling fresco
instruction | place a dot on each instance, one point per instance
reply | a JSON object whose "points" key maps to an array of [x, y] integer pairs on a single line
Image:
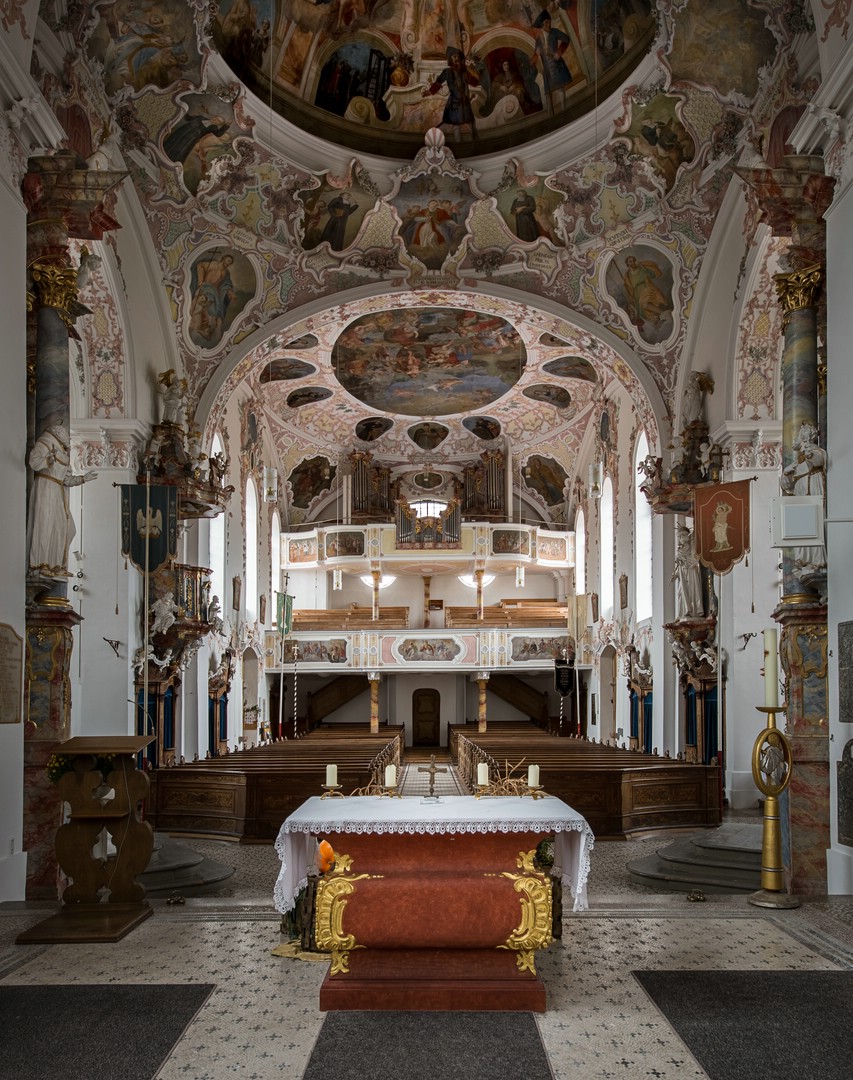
{"points": [[380, 73], [428, 361]]}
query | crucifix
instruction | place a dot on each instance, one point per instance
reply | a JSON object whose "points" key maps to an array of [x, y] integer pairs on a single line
{"points": [[432, 769]]}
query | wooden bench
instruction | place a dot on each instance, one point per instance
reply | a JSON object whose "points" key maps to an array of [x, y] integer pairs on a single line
{"points": [[246, 795], [620, 792], [350, 618]]}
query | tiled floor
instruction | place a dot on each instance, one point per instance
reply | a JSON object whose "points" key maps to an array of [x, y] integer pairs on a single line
{"points": [[262, 1019]]}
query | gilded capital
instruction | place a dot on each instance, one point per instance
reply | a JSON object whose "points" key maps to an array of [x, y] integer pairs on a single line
{"points": [[56, 286], [798, 289]]}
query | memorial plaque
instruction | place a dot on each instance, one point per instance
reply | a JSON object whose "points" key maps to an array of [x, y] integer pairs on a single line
{"points": [[11, 669]]}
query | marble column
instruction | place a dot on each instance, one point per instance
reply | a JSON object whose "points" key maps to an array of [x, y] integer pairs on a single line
{"points": [[373, 677], [794, 199], [482, 683], [65, 201]]}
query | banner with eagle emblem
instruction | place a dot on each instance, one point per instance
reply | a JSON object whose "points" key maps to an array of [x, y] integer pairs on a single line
{"points": [[149, 517]]}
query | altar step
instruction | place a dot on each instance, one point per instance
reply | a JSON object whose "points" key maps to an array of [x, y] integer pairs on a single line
{"points": [[723, 860], [175, 868]]}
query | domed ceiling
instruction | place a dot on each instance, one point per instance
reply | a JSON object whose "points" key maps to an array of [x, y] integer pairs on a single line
{"points": [[498, 73]]}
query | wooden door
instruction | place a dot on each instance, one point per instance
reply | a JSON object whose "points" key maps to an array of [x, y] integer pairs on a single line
{"points": [[426, 718]]}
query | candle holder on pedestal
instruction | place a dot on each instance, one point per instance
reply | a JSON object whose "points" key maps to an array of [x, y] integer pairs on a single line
{"points": [[483, 789], [771, 770], [392, 791], [535, 791], [332, 791]]}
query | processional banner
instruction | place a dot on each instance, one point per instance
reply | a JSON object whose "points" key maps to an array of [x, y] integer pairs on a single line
{"points": [[149, 524], [284, 613], [721, 524]]}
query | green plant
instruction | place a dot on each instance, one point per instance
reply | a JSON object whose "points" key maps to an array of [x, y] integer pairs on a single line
{"points": [[59, 764]]}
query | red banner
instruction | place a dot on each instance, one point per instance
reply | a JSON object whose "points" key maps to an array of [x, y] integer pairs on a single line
{"points": [[721, 524]]}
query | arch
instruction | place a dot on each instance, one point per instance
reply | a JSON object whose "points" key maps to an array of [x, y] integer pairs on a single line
{"points": [[547, 315]]}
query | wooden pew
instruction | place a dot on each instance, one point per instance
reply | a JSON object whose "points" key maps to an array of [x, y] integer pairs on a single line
{"points": [[247, 794], [621, 793]]}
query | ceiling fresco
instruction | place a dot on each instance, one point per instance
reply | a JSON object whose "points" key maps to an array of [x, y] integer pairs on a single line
{"points": [[428, 362], [416, 218], [492, 73]]}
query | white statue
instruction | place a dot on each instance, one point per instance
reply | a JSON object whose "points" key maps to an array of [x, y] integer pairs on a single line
{"points": [[164, 612], [174, 392], [146, 653], [806, 475], [687, 577], [698, 384], [51, 527]]}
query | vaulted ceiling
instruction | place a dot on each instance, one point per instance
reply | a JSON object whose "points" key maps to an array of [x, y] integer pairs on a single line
{"points": [[381, 264]]}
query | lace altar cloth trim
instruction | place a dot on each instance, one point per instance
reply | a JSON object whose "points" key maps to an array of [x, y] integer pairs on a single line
{"points": [[453, 815]]}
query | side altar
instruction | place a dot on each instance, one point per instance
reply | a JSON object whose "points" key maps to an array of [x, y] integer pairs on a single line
{"points": [[434, 905]]}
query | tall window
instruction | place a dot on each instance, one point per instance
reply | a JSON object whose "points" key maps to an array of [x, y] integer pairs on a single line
{"points": [[275, 560], [216, 546], [251, 533], [607, 553], [642, 538], [580, 552]]}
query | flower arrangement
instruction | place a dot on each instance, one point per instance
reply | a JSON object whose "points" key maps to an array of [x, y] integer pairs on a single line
{"points": [[59, 764]]}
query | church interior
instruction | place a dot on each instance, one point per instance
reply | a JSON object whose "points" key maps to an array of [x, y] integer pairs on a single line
{"points": [[447, 383]]}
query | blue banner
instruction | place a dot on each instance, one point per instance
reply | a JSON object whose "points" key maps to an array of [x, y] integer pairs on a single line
{"points": [[149, 520]]}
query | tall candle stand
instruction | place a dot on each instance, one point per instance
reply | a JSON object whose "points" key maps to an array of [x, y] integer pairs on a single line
{"points": [[771, 770]]}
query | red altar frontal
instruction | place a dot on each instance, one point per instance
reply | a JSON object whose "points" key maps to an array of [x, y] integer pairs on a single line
{"points": [[434, 905]]}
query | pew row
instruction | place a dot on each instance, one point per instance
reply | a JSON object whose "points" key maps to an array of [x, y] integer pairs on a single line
{"points": [[247, 794], [621, 793]]}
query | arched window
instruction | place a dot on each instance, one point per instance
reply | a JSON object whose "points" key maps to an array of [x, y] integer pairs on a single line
{"points": [[580, 552], [251, 533], [216, 545], [642, 538], [275, 562], [606, 553]]}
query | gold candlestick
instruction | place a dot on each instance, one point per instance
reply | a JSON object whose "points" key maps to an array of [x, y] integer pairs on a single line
{"points": [[332, 791], [771, 770]]}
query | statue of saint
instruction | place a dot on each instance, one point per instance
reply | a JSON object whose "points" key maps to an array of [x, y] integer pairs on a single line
{"points": [[51, 527], [687, 577], [806, 475], [164, 611]]}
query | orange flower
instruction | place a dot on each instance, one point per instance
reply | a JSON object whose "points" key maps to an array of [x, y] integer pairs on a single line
{"points": [[325, 856]]}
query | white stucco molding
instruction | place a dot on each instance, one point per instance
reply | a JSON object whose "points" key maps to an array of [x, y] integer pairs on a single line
{"points": [[752, 444], [824, 127]]}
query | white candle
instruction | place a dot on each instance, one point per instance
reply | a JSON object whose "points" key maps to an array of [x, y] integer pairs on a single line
{"points": [[771, 669], [331, 775], [533, 776], [390, 776], [482, 774]]}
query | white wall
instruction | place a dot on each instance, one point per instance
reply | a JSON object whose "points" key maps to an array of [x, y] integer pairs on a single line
{"points": [[13, 437], [839, 530]]}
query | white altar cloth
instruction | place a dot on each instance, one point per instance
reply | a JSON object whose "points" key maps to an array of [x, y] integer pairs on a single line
{"points": [[316, 817]]}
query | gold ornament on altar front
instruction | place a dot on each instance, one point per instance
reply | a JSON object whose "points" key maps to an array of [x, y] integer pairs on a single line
{"points": [[332, 893], [534, 930]]}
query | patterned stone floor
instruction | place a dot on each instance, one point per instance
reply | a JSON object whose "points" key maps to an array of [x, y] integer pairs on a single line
{"points": [[262, 1020]]}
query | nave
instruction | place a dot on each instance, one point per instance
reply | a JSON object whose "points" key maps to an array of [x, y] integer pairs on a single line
{"points": [[262, 1019]]}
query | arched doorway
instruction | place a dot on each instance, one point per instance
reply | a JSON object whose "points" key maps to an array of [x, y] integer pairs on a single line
{"points": [[426, 717]]}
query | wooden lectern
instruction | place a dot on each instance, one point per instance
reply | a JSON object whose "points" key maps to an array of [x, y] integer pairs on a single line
{"points": [[102, 900]]}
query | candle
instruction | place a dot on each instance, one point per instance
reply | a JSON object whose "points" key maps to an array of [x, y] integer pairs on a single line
{"points": [[482, 774], [533, 776], [331, 775], [390, 776], [771, 669]]}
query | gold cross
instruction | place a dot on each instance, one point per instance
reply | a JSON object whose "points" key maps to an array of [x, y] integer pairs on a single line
{"points": [[432, 769]]}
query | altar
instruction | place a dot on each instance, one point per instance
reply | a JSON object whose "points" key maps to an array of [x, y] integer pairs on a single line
{"points": [[434, 905]]}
